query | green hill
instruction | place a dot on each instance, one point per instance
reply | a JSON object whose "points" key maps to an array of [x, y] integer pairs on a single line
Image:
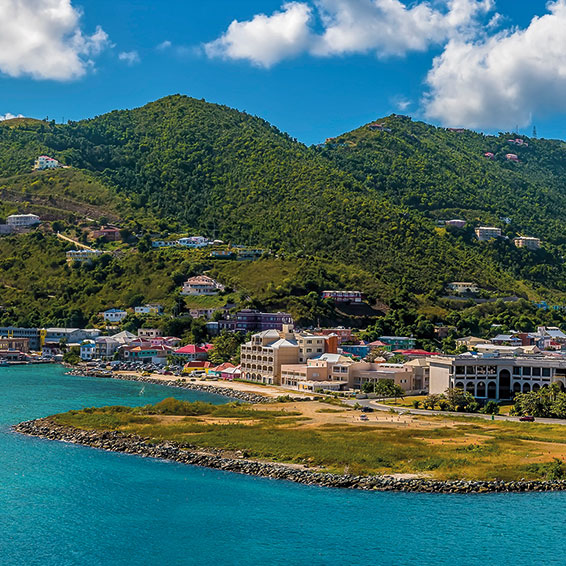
{"points": [[181, 163]]}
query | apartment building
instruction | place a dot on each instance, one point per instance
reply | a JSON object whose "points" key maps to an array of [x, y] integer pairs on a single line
{"points": [[201, 285], [527, 242], [486, 233], [262, 357], [248, 320], [343, 296], [22, 220]]}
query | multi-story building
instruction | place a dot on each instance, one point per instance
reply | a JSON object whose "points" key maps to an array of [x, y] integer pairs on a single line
{"points": [[194, 242], [15, 344], [262, 357], [45, 162], [201, 285], [344, 334], [107, 233], [148, 333], [193, 352], [527, 242], [69, 335], [343, 296], [486, 233], [398, 342], [82, 255], [495, 377], [22, 220], [249, 320], [33, 335], [88, 350]]}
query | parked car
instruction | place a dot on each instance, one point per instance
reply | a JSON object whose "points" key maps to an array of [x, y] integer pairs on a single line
{"points": [[527, 419], [364, 417]]}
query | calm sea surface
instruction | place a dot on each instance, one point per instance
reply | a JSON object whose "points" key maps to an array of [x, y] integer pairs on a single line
{"points": [[62, 504]]}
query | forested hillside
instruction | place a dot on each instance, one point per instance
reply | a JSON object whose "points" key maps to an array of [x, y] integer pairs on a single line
{"points": [[191, 164]]}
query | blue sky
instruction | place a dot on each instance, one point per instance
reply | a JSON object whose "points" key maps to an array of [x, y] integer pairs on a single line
{"points": [[314, 68]]}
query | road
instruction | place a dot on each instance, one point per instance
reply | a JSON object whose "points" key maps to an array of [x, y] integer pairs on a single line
{"points": [[376, 405], [78, 244]]}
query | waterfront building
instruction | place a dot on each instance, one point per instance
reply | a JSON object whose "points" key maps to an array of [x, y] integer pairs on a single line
{"points": [[488, 376], [33, 335], [14, 344], [262, 357], [88, 350], [193, 352]]}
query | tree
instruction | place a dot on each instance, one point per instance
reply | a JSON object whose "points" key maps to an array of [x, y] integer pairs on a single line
{"points": [[226, 347], [458, 399], [72, 355]]}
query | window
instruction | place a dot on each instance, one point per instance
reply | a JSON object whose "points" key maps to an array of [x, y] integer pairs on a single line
{"points": [[516, 370], [319, 349], [309, 350], [536, 372], [460, 369], [546, 372], [526, 371]]}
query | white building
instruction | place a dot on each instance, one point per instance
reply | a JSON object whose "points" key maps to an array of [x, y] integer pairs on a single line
{"points": [[46, 162], [488, 376], [114, 315], [88, 349], [527, 242], [194, 242], [22, 220], [82, 255], [201, 285], [154, 309], [463, 287], [486, 233]]}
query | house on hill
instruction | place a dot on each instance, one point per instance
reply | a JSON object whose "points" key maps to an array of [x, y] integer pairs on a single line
{"points": [[45, 162], [201, 285]]}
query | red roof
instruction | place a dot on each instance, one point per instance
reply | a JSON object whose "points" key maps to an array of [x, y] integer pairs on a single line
{"points": [[377, 344], [416, 353], [192, 349], [198, 365], [225, 365]]}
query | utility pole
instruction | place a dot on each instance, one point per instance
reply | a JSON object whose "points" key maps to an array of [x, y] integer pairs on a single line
{"points": [[534, 132]]}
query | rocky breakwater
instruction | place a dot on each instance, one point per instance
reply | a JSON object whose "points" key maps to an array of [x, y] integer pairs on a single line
{"points": [[235, 394], [237, 462]]}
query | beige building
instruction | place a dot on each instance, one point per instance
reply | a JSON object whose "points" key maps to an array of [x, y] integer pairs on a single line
{"points": [[527, 242], [486, 233], [262, 357], [201, 285]]}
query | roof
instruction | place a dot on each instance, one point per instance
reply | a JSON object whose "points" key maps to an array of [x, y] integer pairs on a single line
{"points": [[224, 366], [268, 334], [416, 352], [282, 343], [377, 343], [198, 365], [192, 349]]}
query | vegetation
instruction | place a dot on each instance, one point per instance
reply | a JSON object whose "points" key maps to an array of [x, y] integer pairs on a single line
{"points": [[546, 402], [338, 442]]}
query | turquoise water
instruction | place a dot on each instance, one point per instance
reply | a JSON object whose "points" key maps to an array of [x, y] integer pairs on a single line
{"points": [[62, 504]]}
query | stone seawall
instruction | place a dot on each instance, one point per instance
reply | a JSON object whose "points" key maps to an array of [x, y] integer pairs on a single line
{"points": [[234, 394], [220, 460]]}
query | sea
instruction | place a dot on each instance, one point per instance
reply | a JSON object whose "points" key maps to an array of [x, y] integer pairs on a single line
{"points": [[63, 504]]}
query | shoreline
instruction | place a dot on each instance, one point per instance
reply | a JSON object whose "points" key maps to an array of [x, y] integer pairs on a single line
{"points": [[229, 392], [114, 441]]}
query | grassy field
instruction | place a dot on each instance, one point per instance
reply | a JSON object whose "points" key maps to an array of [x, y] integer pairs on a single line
{"points": [[336, 440]]}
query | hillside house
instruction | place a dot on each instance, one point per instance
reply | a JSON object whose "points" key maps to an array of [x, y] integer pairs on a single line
{"points": [[456, 223], [82, 255], [114, 315], [486, 233], [201, 285], [149, 309], [489, 155], [527, 242], [22, 220], [107, 233], [45, 162], [512, 157], [343, 296], [194, 242], [463, 287]]}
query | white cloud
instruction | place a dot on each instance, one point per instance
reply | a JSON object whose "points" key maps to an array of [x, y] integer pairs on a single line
{"points": [[390, 27], [164, 45], [129, 57], [385, 27], [43, 39], [9, 116], [266, 40], [502, 80]]}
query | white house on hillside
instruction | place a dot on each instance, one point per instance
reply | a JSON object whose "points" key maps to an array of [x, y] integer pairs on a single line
{"points": [[45, 162]]}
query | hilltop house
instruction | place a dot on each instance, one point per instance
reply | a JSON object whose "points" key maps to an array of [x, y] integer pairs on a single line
{"points": [[22, 220], [45, 162], [201, 285]]}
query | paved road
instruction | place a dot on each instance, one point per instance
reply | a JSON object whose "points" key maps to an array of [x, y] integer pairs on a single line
{"points": [[376, 405], [78, 244]]}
